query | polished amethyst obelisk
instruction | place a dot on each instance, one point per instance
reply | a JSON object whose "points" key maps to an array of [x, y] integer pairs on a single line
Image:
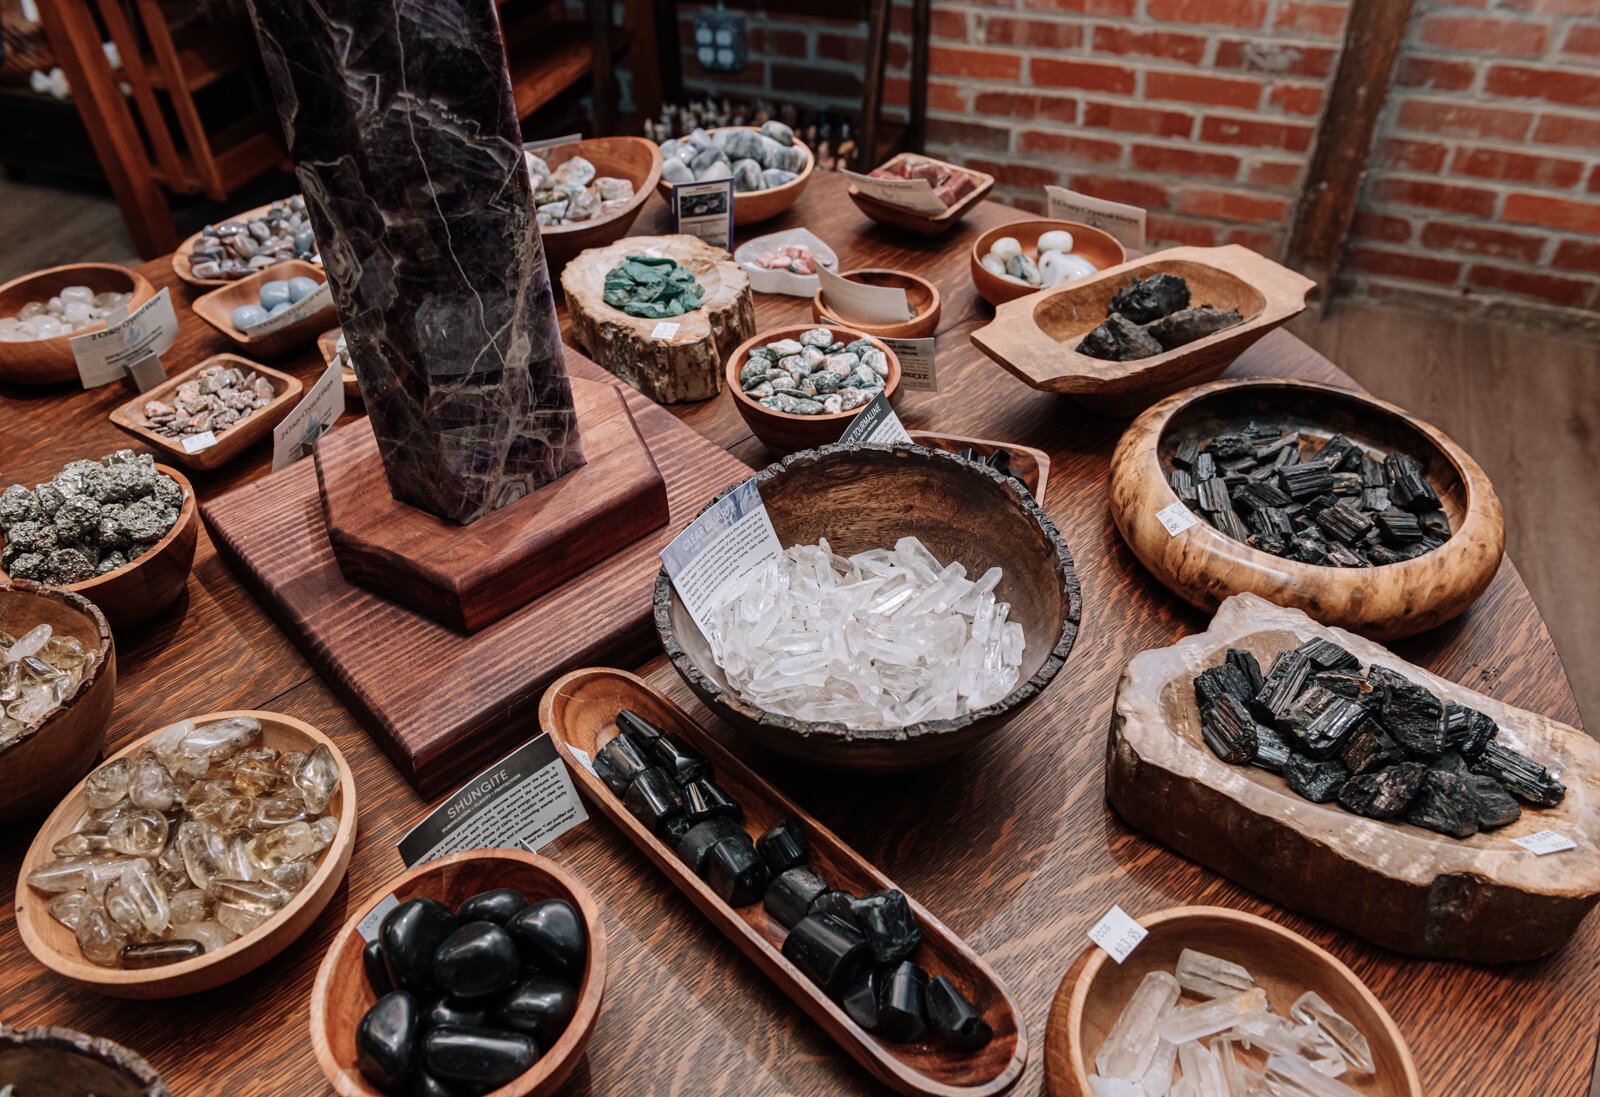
{"points": [[400, 120]]}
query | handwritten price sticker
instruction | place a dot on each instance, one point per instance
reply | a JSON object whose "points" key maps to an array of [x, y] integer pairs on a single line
{"points": [[1546, 841], [1118, 934], [1176, 518], [194, 443]]}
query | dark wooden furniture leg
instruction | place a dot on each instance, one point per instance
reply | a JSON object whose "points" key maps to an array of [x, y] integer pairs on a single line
{"points": [[602, 77], [872, 96], [917, 120]]}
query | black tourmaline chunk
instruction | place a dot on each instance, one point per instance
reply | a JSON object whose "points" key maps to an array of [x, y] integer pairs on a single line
{"points": [[1435, 524], [837, 904], [1344, 522], [1255, 494], [1327, 655], [1319, 720], [1445, 803], [1411, 714], [1231, 445], [1306, 480], [902, 1003], [1187, 325], [1398, 527], [736, 872], [1407, 486], [1496, 806], [860, 1002], [1231, 524], [1212, 683], [828, 952], [1145, 299], [1213, 495], [1284, 681], [1205, 467], [1367, 748], [1182, 484], [1347, 684], [889, 924], [1522, 776], [1318, 781], [1247, 665], [1339, 453], [1186, 452], [1272, 528], [1229, 730], [1384, 793], [1272, 750], [695, 845], [1469, 733], [1119, 340], [954, 1019]]}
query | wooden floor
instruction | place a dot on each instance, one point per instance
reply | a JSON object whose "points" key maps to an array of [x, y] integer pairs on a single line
{"points": [[1527, 406]]}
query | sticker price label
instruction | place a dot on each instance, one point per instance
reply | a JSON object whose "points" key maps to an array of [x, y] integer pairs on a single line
{"points": [[194, 443], [1118, 934], [1545, 842], [368, 927], [666, 329], [1176, 517]]}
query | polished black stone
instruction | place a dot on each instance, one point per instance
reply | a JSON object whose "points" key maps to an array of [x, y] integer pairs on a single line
{"points": [[902, 1004], [679, 759], [697, 842], [377, 970], [837, 904], [476, 961], [411, 933], [954, 1019], [736, 872], [704, 799], [784, 845], [551, 937], [654, 799], [540, 1005], [621, 760], [498, 906], [637, 726], [386, 1039], [791, 893], [890, 926], [478, 1056], [446, 1010], [829, 952], [860, 1001]]}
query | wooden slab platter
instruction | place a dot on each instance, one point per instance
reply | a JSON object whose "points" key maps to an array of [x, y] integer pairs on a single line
{"points": [[579, 710], [1482, 898], [231, 441]]}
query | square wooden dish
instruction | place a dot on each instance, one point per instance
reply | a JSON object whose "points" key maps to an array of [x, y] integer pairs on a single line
{"points": [[1036, 337], [216, 308], [231, 441], [928, 224]]}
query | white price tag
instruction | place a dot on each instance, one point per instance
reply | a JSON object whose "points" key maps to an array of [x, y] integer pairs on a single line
{"points": [[108, 354], [732, 538], [194, 443], [876, 422], [1118, 934], [917, 370], [1176, 517], [368, 927], [1546, 841], [666, 329], [1124, 222], [311, 418]]}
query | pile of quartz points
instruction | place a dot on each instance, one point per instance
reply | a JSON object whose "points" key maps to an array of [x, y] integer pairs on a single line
{"points": [[38, 671], [857, 948], [1378, 743], [197, 838], [883, 639], [1306, 1052]]}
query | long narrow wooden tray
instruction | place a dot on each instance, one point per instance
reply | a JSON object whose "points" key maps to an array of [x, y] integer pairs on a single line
{"points": [[579, 711]]}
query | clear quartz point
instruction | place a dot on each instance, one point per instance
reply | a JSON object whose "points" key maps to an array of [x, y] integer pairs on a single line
{"points": [[1203, 1069], [1310, 1008], [1131, 1043], [1209, 976], [1292, 1076], [1209, 1018], [1114, 1087], [1157, 1077]]}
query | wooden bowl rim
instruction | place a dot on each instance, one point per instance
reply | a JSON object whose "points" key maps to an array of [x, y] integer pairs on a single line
{"points": [[1025, 690], [143, 291], [130, 416], [890, 384], [1067, 1005], [641, 191], [99, 1048], [793, 186], [983, 241], [935, 299], [590, 993], [180, 256], [82, 971], [103, 651], [985, 183], [274, 273]]}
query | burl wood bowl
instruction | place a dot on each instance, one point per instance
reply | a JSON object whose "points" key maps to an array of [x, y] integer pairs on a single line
{"points": [[782, 432], [750, 207], [863, 497], [55, 753], [50, 361], [1203, 565], [61, 1062], [180, 257], [636, 159], [921, 295], [328, 347], [1037, 338], [232, 441], [341, 995], [54, 945], [148, 586], [216, 308], [1096, 245], [887, 213], [1284, 964]]}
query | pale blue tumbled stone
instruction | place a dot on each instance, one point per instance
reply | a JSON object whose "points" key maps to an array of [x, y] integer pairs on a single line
{"points": [[275, 293], [302, 286], [246, 316]]}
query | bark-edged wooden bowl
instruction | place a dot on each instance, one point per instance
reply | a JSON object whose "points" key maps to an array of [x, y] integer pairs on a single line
{"points": [[782, 432], [54, 946], [61, 1062], [55, 753], [921, 294], [636, 159], [925, 224], [1096, 245], [752, 206], [231, 441], [861, 497], [50, 361], [148, 586], [341, 995], [216, 308], [1284, 964], [1203, 565]]}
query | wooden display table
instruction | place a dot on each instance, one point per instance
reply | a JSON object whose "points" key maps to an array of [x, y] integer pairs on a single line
{"points": [[1022, 857]]}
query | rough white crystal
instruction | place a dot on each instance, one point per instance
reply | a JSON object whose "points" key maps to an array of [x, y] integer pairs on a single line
{"points": [[1210, 976], [1311, 1009], [1198, 1022], [1132, 1042], [1289, 1076]]}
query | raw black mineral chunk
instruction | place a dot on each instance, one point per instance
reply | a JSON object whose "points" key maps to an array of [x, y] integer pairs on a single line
{"points": [[1347, 684], [1229, 730], [1306, 480], [1317, 780], [1182, 484], [1384, 793], [1145, 299], [1522, 776], [1230, 446], [1398, 527], [1212, 683], [902, 1003], [1319, 720], [791, 893], [1213, 495], [1245, 663], [890, 926], [1272, 750], [1472, 733], [1119, 340], [1368, 748], [1339, 453], [1231, 524], [1412, 715], [1327, 655], [1187, 325], [1446, 803], [1496, 806], [827, 951], [1184, 456], [954, 1019], [1344, 522], [1435, 523], [1408, 488], [1286, 677]]}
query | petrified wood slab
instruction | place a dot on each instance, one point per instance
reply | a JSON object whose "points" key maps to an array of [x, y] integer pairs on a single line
{"points": [[671, 369], [1481, 899]]}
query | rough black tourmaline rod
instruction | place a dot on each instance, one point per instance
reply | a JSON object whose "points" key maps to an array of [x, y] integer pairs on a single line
{"points": [[400, 120]]}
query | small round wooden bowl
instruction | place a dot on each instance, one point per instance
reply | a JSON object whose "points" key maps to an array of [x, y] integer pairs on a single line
{"points": [[54, 945], [61, 1062], [52, 757], [924, 224], [1203, 565], [1096, 245], [342, 996], [921, 294], [636, 159], [750, 207], [781, 432], [50, 361], [1284, 964], [862, 497], [138, 591]]}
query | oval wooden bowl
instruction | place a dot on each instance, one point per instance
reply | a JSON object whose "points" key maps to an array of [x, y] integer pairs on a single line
{"points": [[49, 361], [328, 347], [138, 591], [921, 294], [54, 946], [868, 496], [180, 257], [781, 432], [342, 996], [578, 711], [1284, 964], [636, 159], [232, 441], [1096, 245], [886, 213], [216, 308], [52, 757], [1029, 465], [1203, 565], [759, 205], [61, 1062]]}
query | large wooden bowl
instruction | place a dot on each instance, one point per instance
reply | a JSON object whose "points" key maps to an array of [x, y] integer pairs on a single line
{"points": [[61, 1062], [51, 758], [1203, 565], [750, 207], [862, 497], [233, 440], [50, 361], [54, 946], [886, 213], [1284, 964], [342, 996], [1037, 338], [921, 294], [782, 432], [636, 159], [146, 587], [216, 308], [1096, 245]]}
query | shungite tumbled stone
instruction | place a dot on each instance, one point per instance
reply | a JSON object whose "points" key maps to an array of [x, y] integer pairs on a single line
{"points": [[1446, 803], [1319, 720], [695, 846], [704, 799], [890, 926], [539, 1005], [736, 872], [903, 1004], [829, 952], [1522, 776], [1368, 748], [621, 760], [1146, 299], [1187, 325], [637, 726], [478, 1056], [424, 1084], [1383, 793], [1318, 780], [498, 906], [377, 970], [1496, 806], [681, 763], [446, 1010], [1119, 340], [860, 1001], [673, 830], [954, 1019], [477, 960], [654, 799], [551, 936], [411, 933], [784, 845], [837, 904], [791, 893], [1229, 730], [386, 1039]]}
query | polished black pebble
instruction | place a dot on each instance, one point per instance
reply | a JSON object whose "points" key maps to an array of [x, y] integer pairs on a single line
{"points": [[785, 845], [704, 799], [903, 1005], [827, 951], [424, 1084], [446, 1010], [637, 726], [736, 872], [551, 937], [696, 844], [654, 800], [954, 1019], [411, 933], [673, 830], [674, 755], [790, 895], [839, 904], [377, 970], [498, 906], [478, 1056], [386, 1039], [540, 1005], [475, 961], [886, 918], [860, 1002], [620, 761]]}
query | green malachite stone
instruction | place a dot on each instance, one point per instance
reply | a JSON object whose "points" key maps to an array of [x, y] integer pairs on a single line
{"points": [[652, 287]]}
